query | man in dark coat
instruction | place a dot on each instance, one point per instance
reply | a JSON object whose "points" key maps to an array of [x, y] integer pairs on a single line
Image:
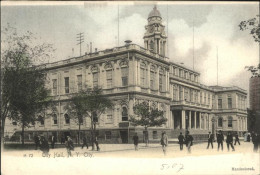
{"points": [[189, 141], [181, 140], [36, 141], [236, 139], [210, 140], [255, 140], [229, 141], [136, 139], [44, 147], [220, 139], [85, 142]]}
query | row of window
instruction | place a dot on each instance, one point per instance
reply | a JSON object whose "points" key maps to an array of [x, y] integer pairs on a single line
{"points": [[185, 74], [67, 118], [190, 95]]}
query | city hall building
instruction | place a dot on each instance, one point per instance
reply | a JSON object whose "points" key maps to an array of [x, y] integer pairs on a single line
{"points": [[130, 75]]}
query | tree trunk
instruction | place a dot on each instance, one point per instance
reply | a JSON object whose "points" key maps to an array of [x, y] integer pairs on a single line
{"points": [[92, 134], [79, 134], [146, 137], [2, 132], [23, 134]]}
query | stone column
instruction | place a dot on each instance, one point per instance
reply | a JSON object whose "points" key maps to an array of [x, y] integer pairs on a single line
{"points": [[189, 120], [183, 121], [172, 117], [200, 119], [195, 119]]}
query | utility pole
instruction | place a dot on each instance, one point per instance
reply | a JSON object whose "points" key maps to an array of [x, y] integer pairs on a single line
{"points": [[80, 40]]}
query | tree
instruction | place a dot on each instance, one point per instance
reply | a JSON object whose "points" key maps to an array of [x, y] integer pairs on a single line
{"points": [[148, 117], [251, 120], [76, 109], [23, 91], [90, 103], [254, 27]]}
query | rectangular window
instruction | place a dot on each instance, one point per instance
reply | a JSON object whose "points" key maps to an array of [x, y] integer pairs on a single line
{"points": [[200, 97], [219, 103], [95, 79], [180, 73], [109, 116], [186, 94], [208, 98], [175, 92], [67, 85], [229, 103], [205, 98], [191, 95], [160, 82], [79, 82], [54, 86], [124, 72], [180, 93], [142, 77], [108, 135], [152, 80], [155, 135], [109, 79]]}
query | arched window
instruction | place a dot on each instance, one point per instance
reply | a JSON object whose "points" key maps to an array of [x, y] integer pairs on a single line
{"points": [[143, 74], [230, 119], [41, 120], [67, 119], [124, 114], [220, 122], [54, 117], [151, 45]]}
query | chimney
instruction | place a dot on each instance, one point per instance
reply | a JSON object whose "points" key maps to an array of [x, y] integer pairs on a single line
{"points": [[128, 42]]}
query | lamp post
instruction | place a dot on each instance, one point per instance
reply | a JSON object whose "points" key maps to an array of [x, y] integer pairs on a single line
{"points": [[213, 127]]}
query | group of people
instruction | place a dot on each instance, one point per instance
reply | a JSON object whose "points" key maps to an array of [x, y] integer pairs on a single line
{"points": [[188, 141]]}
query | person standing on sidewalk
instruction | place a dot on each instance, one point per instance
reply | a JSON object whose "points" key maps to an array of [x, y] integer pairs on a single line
{"points": [[236, 139], [85, 142], [220, 139], [135, 139], [255, 140], [164, 142], [69, 146], [188, 141], [36, 141], [44, 147], [53, 140], [181, 140], [229, 141], [210, 140]]}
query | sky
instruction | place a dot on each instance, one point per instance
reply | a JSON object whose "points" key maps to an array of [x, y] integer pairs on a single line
{"points": [[215, 28]]}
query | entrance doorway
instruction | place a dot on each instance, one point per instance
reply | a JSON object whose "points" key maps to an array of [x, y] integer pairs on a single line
{"points": [[124, 136]]}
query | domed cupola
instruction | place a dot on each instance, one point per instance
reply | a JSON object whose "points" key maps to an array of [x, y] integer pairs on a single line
{"points": [[155, 37], [154, 13]]}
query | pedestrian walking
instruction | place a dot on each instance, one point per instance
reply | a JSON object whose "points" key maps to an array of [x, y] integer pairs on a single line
{"points": [[164, 142], [210, 140], [69, 146], [95, 141], [229, 141], [36, 141], [44, 147], [248, 137], [85, 142], [255, 140], [135, 139], [220, 139], [181, 140], [236, 139], [53, 140], [188, 141]]}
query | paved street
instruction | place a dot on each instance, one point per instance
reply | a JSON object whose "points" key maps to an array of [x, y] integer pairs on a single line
{"points": [[123, 159]]}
